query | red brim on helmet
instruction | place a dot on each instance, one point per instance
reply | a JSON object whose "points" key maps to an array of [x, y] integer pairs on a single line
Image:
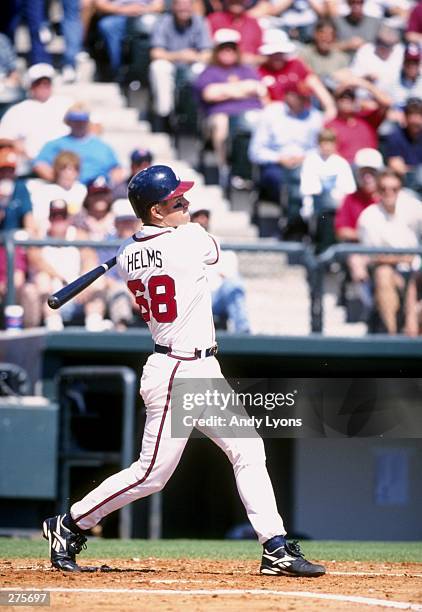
{"points": [[182, 188]]}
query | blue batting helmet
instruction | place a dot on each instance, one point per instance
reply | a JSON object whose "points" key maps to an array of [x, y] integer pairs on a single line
{"points": [[154, 184]]}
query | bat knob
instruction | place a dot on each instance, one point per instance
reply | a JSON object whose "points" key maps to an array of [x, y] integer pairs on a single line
{"points": [[53, 302]]}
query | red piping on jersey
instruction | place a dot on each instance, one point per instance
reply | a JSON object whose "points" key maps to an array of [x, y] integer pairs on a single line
{"points": [[216, 248], [149, 237], [154, 455]]}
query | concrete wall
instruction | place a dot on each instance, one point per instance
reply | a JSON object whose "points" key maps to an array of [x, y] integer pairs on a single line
{"points": [[358, 489]]}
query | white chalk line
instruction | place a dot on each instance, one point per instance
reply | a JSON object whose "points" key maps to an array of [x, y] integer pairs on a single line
{"points": [[329, 573], [386, 574], [369, 601]]}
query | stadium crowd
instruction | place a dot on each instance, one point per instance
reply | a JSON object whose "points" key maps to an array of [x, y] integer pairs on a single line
{"points": [[326, 94]]}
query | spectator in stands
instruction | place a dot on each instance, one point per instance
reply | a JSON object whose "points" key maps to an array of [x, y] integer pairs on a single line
{"points": [[414, 25], [33, 122], [367, 164], [355, 29], [408, 84], [235, 17], [72, 34], [403, 147], [280, 69], [380, 61], [390, 223], [356, 123], [10, 85], [120, 303], [322, 55], [97, 157], [19, 278], [15, 202], [180, 47], [51, 268], [285, 133], [228, 89], [227, 289], [113, 23], [326, 178], [394, 13], [295, 17], [413, 306], [139, 160], [34, 14], [65, 186], [96, 221]]}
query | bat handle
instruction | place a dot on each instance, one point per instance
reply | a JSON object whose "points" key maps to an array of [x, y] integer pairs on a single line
{"points": [[68, 292]]}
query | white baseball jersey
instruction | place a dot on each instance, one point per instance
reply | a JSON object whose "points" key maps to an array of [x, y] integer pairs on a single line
{"points": [[164, 269]]}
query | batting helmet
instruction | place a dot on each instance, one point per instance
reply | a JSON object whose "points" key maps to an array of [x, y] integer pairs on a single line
{"points": [[154, 184]]}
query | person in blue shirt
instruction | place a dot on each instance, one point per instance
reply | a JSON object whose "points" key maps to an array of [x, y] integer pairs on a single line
{"points": [[97, 157], [403, 147]]}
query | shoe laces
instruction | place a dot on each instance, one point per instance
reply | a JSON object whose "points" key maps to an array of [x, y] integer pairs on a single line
{"points": [[294, 548], [78, 542]]}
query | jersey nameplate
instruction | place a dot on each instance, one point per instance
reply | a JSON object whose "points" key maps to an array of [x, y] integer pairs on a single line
{"points": [[145, 258]]}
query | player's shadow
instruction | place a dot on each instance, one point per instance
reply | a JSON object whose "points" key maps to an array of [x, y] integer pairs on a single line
{"points": [[128, 570]]}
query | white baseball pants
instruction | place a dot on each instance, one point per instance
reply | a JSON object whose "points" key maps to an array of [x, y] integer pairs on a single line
{"points": [[161, 453]]}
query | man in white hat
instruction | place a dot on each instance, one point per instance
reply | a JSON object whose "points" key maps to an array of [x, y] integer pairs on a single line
{"points": [[235, 16], [38, 119], [230, 92], [367, 164], [281, 68]]}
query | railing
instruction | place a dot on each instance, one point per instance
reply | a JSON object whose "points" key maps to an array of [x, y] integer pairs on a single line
{"points": [[315, 265], [319, 264]]}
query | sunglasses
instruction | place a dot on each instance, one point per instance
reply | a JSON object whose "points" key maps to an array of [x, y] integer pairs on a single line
{"points": [[231, 46], [383, 189], [384, 44]]}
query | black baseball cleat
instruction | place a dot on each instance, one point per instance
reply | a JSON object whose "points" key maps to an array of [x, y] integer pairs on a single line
{"points": [[281, 558], [64, 544]]}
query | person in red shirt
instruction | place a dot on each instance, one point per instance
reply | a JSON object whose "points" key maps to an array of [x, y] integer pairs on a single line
{"points": [[414, 24], [280, 71], [357, 123], [367, 164], [235, 17]]}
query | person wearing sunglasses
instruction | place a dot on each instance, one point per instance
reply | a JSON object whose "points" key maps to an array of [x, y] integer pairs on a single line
{"points": [[393, 222]]}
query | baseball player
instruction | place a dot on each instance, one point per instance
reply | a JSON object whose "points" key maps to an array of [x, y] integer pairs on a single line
{"points": [[163, 265]]}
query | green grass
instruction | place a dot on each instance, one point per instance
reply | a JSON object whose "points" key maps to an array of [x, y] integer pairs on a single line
{"points": [[215, 549]]}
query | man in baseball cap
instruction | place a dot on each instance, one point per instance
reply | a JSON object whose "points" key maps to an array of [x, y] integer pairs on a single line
{"points": [[58, 210], [97, 157], [234, 16], [38, 72], [409, 82], [38, 119], [139, 160], [367, 164]]}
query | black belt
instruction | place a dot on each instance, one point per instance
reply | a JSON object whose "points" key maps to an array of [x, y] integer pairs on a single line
{"points": [[196, 354]]}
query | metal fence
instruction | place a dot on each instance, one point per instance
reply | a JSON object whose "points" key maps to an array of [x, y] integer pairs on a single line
{"points": [[316, 265]]}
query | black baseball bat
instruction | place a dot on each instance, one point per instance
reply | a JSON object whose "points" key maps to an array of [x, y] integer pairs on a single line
{"points": [[69, 291]]}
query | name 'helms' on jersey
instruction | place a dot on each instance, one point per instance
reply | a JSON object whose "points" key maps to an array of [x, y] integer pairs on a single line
{"points": [[144, 258]]}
